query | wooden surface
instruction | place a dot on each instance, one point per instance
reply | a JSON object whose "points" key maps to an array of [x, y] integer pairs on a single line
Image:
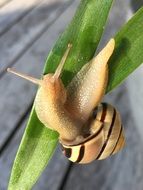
{"points": [[28, 30]]}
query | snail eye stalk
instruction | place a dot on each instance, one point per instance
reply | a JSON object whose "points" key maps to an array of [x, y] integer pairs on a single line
{"points": [[29, 78]]}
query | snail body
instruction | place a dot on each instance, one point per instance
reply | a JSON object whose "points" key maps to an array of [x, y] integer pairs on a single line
{"points": [[84, 135]]}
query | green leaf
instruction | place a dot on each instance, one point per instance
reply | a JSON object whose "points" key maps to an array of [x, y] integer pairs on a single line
{"points": [[38, 142], [128, 54]]}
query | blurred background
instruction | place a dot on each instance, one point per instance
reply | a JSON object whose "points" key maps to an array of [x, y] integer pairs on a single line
{"points": [[28, 30]]}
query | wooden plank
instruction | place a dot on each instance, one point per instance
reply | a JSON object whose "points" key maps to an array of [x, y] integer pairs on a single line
{"points": [[17, 94], [135, 95], [122, 171], [13, 11], [24, 33], [52, 175], [4, 2], [134, 83], [136, 4]]}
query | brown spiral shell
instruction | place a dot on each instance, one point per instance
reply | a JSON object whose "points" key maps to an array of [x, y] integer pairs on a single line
{"points": [[107, 139]]}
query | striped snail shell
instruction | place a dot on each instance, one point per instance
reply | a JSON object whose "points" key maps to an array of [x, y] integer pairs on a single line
{"points": [[84, 135], [106, 140]]}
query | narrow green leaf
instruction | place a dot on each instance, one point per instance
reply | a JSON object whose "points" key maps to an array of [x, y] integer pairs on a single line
{"points": [[38, 143], [128, 54]]}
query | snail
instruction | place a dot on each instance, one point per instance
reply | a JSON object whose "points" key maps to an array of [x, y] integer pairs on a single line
{"points": [[88, 129]]}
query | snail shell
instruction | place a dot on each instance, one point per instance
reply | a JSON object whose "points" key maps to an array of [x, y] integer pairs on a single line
{"points": [[106, 140]]}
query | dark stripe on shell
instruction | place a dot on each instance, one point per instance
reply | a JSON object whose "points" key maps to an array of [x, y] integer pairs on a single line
{"points": [[81, 154], [95, 135], [103, 112], [67, 152], [89, 138], [108, 136], [117, 141]]}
